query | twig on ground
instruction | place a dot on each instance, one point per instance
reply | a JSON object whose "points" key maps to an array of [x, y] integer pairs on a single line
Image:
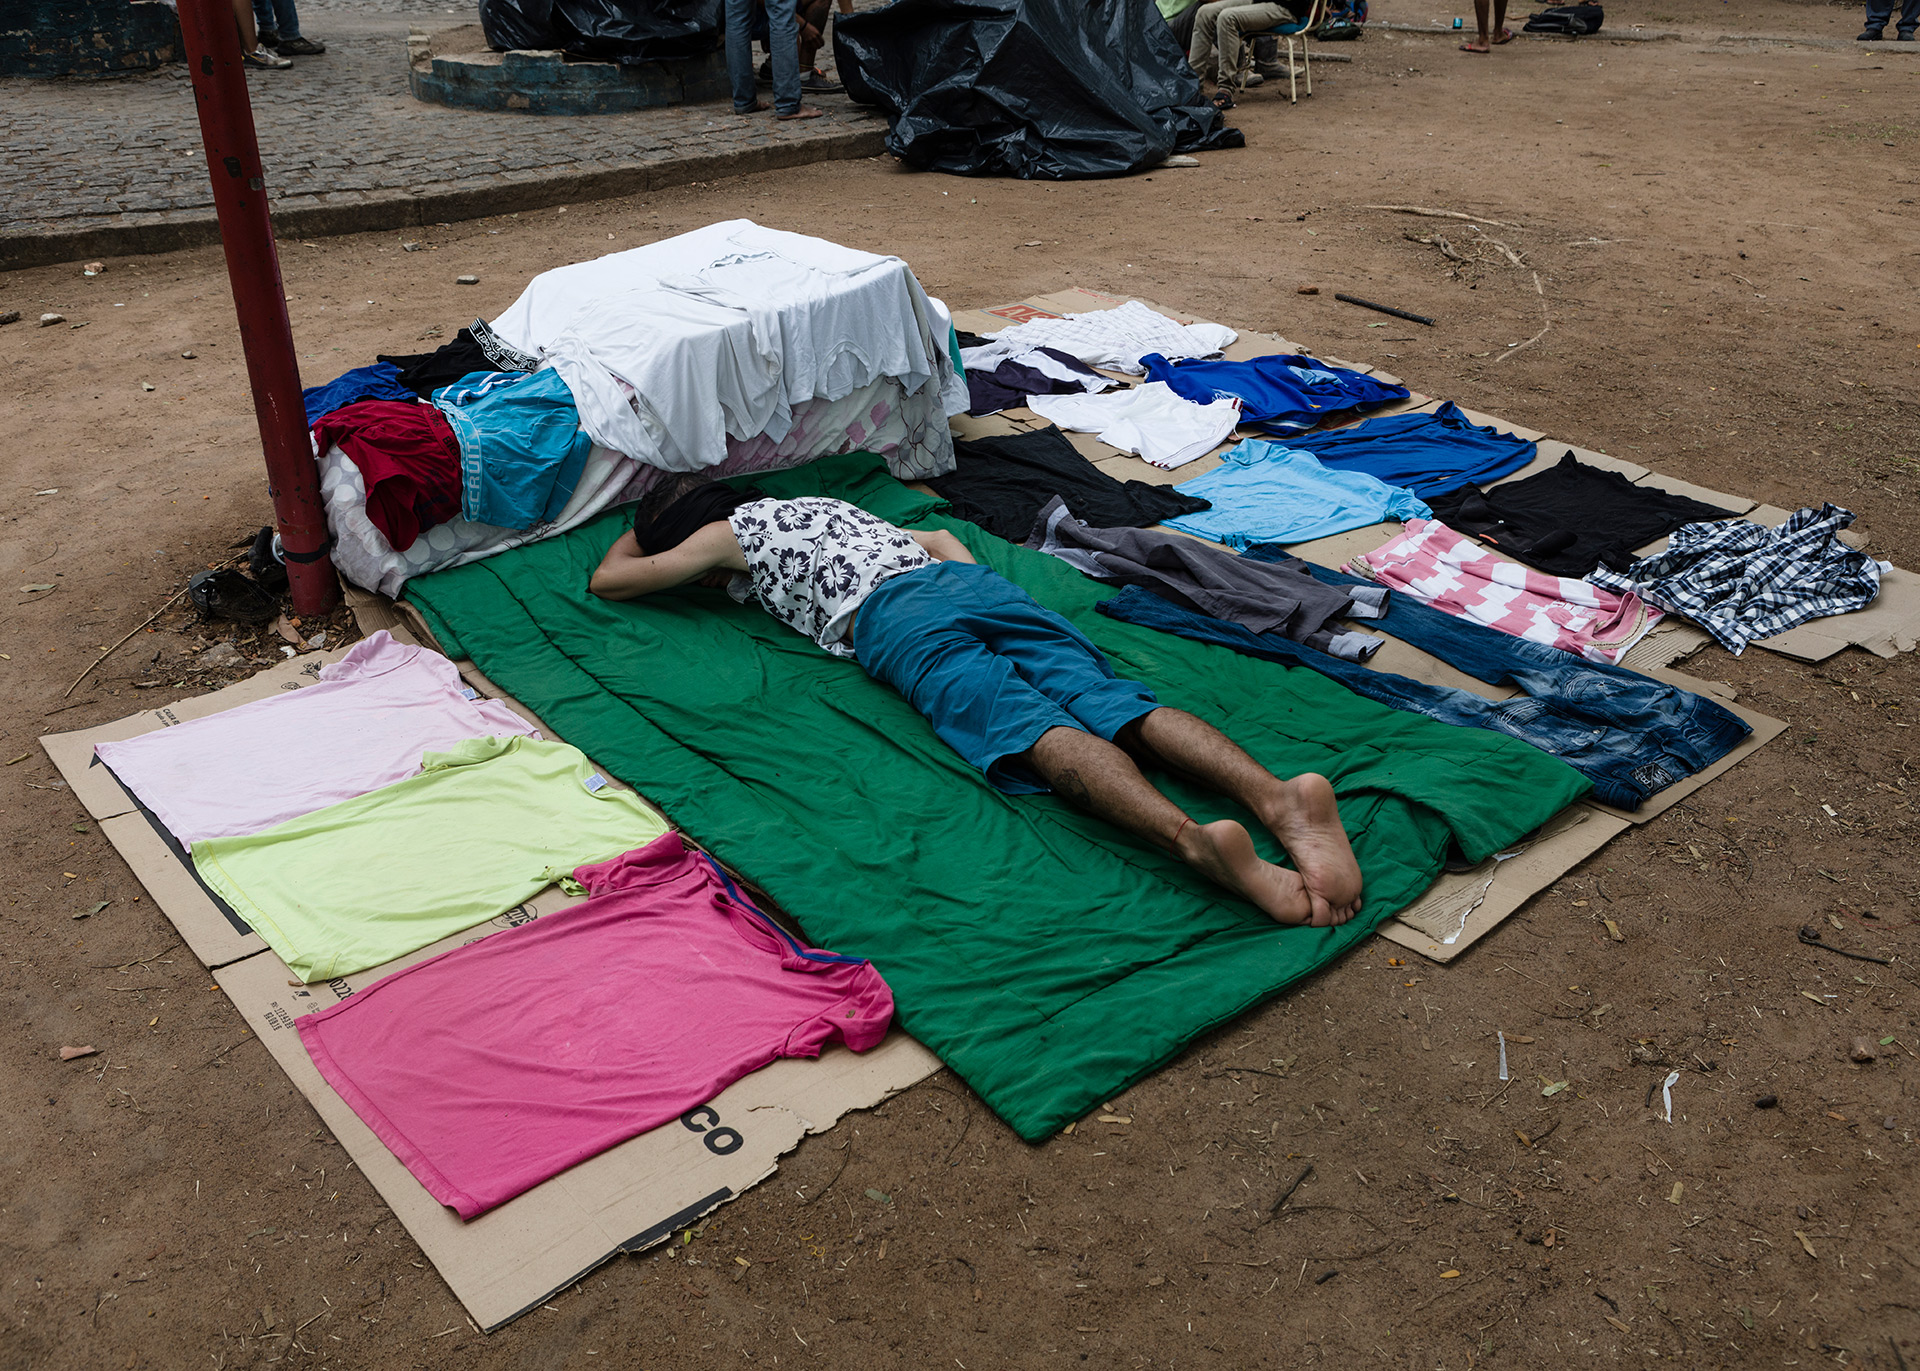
{"points": [[123, 638], [1287, 1194], [1546, 323], [1423, 211], [846, 1151]]}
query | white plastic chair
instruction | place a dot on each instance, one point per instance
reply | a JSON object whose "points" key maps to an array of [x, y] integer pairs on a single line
{"points": [[1298, 30]]}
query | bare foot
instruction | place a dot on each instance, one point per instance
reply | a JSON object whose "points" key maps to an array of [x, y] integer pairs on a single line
{"points": [[1307, 822], [1504, 36], [1223, 852], [1476, 45], [757, 107], [804, 112]]}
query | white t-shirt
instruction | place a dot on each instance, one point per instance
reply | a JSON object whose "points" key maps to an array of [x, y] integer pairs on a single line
{"points": [[812, 561], [1154, 420]]}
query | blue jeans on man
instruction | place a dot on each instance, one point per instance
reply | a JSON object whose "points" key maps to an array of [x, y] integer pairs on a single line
{"points": [[783, 47]]}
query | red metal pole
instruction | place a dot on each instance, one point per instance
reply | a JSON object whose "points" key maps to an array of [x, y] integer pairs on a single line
{"points": [[212, 40]]}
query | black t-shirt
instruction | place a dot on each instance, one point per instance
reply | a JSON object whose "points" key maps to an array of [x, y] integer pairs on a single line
{"points": [[1571, 517], [1002, 482]]}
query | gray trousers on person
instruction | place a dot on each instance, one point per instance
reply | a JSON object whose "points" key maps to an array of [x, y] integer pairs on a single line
{"points": [[1220, 32]]}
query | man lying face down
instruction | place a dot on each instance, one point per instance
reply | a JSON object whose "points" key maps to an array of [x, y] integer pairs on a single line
{"points": [[1008, 684]]}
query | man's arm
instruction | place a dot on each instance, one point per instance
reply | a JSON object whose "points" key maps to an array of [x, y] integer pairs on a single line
{"points": [[941, 545], [625, 573]]}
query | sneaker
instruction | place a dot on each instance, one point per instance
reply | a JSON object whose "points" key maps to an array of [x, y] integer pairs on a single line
{"points": [[1872, 36], [1255, 79], [260, 57], [1906, 35], [300, 47], [817, 82]]}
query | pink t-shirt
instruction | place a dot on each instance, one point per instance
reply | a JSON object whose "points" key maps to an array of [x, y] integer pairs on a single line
{"points": [[1455, 575], [364, 723], [498, 1065]]}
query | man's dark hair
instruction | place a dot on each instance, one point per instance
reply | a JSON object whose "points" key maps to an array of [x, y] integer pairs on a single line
{"points": [[678, 508]]}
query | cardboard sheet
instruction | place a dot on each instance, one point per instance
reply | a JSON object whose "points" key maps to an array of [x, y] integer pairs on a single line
{"points": [[1461, 908], [508, 1260]]}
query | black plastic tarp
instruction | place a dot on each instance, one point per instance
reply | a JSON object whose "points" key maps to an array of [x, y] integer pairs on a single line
{"points": [[1055, 90], [606, 30]]}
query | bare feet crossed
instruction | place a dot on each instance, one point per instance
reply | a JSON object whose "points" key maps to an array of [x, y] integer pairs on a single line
{"points": [[1306, 820], [1223, 852]]}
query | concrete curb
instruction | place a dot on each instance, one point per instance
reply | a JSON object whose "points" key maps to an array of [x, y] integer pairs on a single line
{"points": [[308, 217]]}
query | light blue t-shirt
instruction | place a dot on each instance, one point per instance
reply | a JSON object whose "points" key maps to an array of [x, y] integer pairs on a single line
{"points": [[1265, 492]]}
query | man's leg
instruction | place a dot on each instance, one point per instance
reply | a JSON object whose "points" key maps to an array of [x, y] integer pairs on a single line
{"points": [[740, 56], [1300, 812], [783, 47], [1878, 12], [1093, 774], [1230, 35], [1200, 54]]}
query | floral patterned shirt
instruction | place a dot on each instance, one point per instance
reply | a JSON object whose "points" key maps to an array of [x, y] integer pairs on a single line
{"points": [[811, 561]]}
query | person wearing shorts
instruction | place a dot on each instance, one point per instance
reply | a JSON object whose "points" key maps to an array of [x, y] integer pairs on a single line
{"points": [[1011, 686]]}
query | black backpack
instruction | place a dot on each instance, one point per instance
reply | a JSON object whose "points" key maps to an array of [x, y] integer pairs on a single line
{"points": [[1573, 20]]}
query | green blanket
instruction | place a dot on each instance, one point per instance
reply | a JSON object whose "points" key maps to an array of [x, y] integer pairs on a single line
{"points": [[1047, 957]]}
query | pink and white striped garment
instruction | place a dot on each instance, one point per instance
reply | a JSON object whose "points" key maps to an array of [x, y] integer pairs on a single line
{"points": [[1455, 575]]}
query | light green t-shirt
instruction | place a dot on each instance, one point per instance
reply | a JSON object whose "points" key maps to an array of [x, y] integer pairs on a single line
{"points": [[481, 828]]}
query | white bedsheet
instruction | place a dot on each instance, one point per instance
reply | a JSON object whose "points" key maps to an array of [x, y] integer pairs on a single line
{"points": [[674, 348]]}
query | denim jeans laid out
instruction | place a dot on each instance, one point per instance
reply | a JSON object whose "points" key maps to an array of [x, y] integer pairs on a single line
{"points": [[1629, 735], [277, 16], [783, 46]]}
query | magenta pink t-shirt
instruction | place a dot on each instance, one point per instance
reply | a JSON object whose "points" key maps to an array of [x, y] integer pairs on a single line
{"points": [[498, 1065]]}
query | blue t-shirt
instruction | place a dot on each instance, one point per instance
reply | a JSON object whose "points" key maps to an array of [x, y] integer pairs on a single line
{"points": [[1264, 492], [1427, 453], [380, 381], [1282, 394], [521, 445]]}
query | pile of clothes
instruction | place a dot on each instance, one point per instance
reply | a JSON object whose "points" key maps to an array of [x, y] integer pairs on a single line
{"points": [[731, 348]]}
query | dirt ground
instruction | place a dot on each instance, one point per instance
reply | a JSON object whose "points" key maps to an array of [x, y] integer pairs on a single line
{"points": [[1724, 239]]}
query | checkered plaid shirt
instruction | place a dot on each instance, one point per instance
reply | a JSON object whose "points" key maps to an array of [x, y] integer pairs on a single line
{"points": [[1742, 581]]}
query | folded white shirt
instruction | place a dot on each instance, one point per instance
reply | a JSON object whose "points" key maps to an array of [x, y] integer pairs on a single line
{"points": [[1165, 428], [1115, 339]]}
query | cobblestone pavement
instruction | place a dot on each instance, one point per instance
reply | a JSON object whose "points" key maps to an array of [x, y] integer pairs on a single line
{"points": [[116, 164]]}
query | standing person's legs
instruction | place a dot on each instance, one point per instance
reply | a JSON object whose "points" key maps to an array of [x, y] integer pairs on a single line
{"points": [[1489, 38], [783, 49], [266, 30], [1230, 35], [740, 56], [1878, 13], [1909, 19]]}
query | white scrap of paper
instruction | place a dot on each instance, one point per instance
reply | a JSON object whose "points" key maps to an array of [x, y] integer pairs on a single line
{"points": [[1503, 1052], [1666, 1094]]}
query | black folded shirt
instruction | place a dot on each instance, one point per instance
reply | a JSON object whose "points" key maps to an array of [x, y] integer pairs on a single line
{"points": [[1001, 483], [1570, 518]]}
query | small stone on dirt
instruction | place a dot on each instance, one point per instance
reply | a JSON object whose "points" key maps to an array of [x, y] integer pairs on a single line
{"points": [[1863, 1050], [466, 280], [220, 654], [189, 354], [9, 316], [48, 320], [1307, 290], [67, 1054], [93, 268], [1766, 1102]]}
